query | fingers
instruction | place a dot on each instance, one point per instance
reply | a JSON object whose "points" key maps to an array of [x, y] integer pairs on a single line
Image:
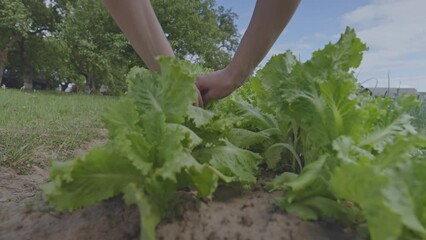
{"points": [[202, 89], [207, 97], [200, 102]]}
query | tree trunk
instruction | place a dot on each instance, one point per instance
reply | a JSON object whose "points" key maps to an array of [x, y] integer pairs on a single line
{"points": [[28, 69], [28, 77], [3, 61], [86, 72], [90, 83], [3, 55], [2, 67]]}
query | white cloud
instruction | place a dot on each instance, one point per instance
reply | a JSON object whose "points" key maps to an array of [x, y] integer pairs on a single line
{"points": [[396, 34], [303, 48]]}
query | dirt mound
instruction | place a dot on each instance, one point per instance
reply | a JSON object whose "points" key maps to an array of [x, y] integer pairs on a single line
{"points": [[14, 187], [233, 214], [250, 216], [32, 220], [247, 216]]}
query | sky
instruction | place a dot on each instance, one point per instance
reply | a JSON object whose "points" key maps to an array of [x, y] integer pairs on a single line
{"points": [[394, 30]]}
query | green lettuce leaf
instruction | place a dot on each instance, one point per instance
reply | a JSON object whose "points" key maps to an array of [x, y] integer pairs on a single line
{"points": [[101, 174], [240, 164], [149, 156]]}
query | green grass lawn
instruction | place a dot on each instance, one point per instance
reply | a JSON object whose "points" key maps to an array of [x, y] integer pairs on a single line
{"points": [[37, 127]]}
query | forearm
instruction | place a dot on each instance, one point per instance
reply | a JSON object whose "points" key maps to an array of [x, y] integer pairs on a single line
{"points": [[268, 21], [137, 20]]}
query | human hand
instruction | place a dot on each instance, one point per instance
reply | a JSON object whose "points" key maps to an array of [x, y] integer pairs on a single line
{"points": [[217, 84]]}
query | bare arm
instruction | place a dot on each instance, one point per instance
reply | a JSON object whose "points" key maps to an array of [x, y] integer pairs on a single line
{"points": [[268, 21], [140, 25]]}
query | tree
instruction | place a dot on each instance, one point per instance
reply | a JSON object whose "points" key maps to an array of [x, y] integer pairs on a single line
{"points": [[198, 30], [25, 25], [61, 39], [14, 24], [95, 45]]}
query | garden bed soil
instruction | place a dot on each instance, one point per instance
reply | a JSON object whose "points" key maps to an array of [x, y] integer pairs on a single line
{"points": [[233, 214], [24, 214]]}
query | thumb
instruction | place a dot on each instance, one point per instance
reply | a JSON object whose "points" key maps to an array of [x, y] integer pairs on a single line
{"points": [[204, 86], [207, 96], [200, 102]]}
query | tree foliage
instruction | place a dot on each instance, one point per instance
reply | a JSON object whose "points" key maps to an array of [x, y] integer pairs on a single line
{"points": [[199, 30], [24, 26], [15, 23], [95, 46], [78, 40]]}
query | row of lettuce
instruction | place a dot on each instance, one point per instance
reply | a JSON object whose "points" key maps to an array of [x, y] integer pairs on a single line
{"points": [[336, 153]]}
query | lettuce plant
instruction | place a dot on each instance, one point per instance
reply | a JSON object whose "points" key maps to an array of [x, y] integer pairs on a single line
{"points": [[337, 153]]}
